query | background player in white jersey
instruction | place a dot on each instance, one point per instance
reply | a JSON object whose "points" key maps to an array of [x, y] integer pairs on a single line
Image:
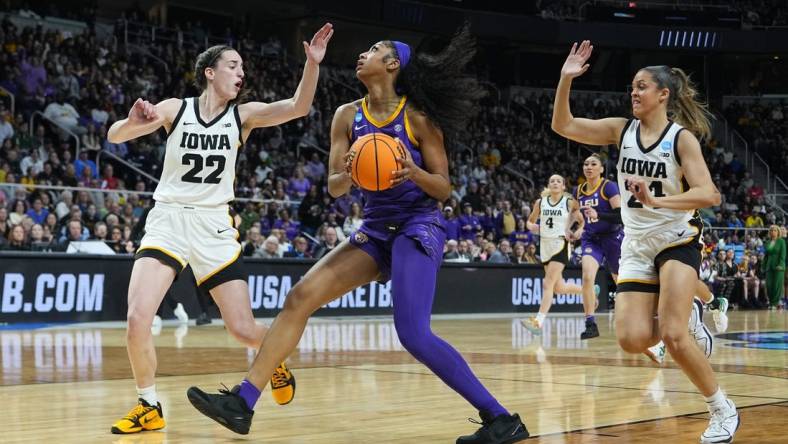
{"points": [[190, 223], [663, 180], [557, 212]]}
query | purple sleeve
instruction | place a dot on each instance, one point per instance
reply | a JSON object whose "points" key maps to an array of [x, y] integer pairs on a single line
{"points": [[610, 190]]}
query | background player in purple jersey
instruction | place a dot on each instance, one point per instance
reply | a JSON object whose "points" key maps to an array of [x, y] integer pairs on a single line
{"points": [[600, 202], [416, 98]]}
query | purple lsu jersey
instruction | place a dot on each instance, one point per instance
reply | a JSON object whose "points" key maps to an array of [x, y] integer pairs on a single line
{"points": [[403, 210], [406, 199], [598, 199]]}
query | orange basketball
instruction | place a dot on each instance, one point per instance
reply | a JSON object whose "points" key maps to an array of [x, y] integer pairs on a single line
{"points": [[374, 160]]}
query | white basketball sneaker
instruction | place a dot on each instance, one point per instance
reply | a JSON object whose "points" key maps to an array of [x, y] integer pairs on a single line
{"points": [[719, 314], [698, 330], [723, 424], [180, 313], [656, 353]]}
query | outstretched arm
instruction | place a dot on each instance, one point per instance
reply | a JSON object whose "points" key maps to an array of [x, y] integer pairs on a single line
{"points": [[588, 131], [144, 118], [259, 114]]}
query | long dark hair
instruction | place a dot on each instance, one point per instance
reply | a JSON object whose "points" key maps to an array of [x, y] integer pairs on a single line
{"points": [[684, 105], [438, 85], [208, 59]]}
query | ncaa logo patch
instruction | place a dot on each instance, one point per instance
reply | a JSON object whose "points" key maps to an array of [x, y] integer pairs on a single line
{"points": [[358, 117], [666, 145], [588, 250], [398, 128], [360, 237]]}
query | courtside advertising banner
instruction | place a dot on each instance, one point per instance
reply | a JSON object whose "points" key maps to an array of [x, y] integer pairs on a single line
{"points": [[80, 288]]}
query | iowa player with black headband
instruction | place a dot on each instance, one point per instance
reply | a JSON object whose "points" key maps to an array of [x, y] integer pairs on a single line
{"points": [[663, 180], [190, 222], [417, 98]]}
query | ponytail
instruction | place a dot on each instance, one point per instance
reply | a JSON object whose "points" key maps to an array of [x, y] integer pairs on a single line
{"points": [[684, 105], [438, 85]]}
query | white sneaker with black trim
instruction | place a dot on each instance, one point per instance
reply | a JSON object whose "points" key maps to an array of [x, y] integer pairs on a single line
{"points": [[723, 424], [698, 330]]}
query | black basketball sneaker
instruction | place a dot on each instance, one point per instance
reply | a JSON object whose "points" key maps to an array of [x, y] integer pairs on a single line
{"points": [[503, 429], [226, 407]]}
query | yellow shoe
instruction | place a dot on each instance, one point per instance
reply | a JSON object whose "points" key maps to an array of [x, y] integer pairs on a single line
{"points": [[533, 325], [141, 417], [283, 385]]}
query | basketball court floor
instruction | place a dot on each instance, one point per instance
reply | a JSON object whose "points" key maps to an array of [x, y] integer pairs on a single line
{"points": [[355, 383]]}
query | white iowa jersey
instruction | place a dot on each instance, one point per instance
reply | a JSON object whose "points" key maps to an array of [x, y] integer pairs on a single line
{"points": [[660, 166], [553, 217], [199, 162]]}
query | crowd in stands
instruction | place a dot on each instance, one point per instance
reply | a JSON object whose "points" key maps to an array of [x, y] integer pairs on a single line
{"points": [[765, 127], [498, 170]]}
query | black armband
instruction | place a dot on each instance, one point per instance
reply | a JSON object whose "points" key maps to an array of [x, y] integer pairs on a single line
{"points": [[614, 216]]}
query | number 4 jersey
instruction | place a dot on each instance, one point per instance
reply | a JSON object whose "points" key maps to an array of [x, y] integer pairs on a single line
{"points": [[199, 162], [660, 166]]}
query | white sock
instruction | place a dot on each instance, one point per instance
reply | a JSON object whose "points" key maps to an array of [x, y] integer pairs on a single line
{"points": [[540, 317], [717, 400], [148, 394]]}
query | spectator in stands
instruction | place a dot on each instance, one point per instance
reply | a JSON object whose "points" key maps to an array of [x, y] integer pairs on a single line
{"points": [[452, 223], [108, 179], [315, 169], [270, 249], [284, 241], [505, 247], [469, 223], [299, 185], [530, 254], [99, 231], [506, 222], [38, 213], [82, 163], [328, 244], [489, 222], [39, 239], [750, 282], [518, 256], [727, 272], [116, 240], [521, 233], [19, 212], [354, 220], [300, 249], [64, 115], [452, 253], [5, 224], [90, 140], [75, 232], [289, 226], [494, 255], [254, 241], [472, 197], [31, 164], [754, 220], [6, 129], [16, 241]]}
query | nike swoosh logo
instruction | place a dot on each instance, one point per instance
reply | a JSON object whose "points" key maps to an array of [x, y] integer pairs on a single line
{"points": [[222, 231], [359, 127], [682, 233], [188, 123]]}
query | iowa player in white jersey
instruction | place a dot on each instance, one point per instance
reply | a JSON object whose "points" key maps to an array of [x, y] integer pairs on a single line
{"points": [[663, 180], [190, 222], [557, 212]]}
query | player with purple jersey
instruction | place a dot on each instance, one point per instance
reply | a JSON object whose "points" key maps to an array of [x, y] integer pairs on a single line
{"points": [[602, 233], [417, 99]]}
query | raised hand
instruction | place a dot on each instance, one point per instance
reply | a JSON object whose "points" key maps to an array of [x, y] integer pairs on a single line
{"points": [[142, 112], [316, 49], [575, 64]]}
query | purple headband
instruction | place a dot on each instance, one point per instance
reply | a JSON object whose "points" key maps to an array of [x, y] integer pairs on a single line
{"points": [[403, 51]]}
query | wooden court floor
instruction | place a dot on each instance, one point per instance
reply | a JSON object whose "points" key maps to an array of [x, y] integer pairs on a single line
{"points": [[68, 384]]}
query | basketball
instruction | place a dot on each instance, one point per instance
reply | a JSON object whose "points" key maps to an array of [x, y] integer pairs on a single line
{"points": [[374, 160]]}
